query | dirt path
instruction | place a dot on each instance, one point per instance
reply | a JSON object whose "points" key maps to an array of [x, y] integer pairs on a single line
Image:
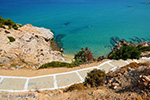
{"points": [[31, 73]]}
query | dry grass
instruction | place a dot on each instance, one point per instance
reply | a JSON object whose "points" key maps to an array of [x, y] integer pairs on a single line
{"points": [[79, 86], [30, 72], [123, 69], [95, 78], [138, 98], [136, 65], [147, 98]]}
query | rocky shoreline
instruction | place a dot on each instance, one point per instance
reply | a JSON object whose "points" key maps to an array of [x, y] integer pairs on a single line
{"points": [[28, 46], [141, 44]]}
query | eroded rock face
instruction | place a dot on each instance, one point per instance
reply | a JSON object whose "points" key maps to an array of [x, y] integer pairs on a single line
{"points": [[31, 46]]}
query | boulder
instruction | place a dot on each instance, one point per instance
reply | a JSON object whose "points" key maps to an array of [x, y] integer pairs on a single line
{"points": [[32, 46]]}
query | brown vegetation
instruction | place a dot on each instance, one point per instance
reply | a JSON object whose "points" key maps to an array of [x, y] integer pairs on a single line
{"points": [[123, 82], [95, 78], [136, 65], [79, 86], [126, 86]]}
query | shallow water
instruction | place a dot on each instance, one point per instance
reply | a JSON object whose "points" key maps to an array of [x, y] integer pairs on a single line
{"points": [[83, 22]]}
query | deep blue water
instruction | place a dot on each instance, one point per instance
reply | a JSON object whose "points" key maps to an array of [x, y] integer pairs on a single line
{"points": [[87, 22]]}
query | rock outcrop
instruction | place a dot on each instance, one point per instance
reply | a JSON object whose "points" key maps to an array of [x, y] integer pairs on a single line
{"points": [[28, 45], [131, 78], [144, 81]]}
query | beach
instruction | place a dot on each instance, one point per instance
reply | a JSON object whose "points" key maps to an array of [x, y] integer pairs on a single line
{"points": [[68, 57]]}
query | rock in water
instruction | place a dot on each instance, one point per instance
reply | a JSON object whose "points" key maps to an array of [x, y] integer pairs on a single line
{"points": [[31, 46]]}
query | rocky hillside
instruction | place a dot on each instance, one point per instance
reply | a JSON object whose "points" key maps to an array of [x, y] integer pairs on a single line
{"points": [[27, 46], [131, 82]]}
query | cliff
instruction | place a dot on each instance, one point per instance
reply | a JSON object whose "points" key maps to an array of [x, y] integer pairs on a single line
{"points": [[28, 46]]}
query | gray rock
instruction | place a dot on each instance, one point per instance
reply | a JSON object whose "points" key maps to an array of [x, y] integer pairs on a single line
{"points": [[18, 67], [4, 60], [129, 69]]}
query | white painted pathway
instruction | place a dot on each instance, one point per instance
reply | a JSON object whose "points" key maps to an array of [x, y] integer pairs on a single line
{"points": [[57, 81]]}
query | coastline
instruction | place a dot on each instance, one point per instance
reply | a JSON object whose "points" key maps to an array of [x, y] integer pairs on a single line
{"points": [[68, 57]]}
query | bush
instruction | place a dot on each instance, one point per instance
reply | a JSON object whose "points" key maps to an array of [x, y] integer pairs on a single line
{"points": [[142, 49], [7, 22], [57, 64], [95, 78], [19, 25], [11, 39], [13, 65], [15, 26], [1, 25], [136, 65], [80, 57], [127, 52], [83, 56], [79, 86], [7, 32]]}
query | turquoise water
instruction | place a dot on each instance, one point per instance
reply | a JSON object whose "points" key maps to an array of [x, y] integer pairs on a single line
{"points": [[88, 22]]}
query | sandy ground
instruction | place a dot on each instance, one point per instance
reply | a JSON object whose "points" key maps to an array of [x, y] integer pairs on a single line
{"points": [[68, 57], [31, 73]]}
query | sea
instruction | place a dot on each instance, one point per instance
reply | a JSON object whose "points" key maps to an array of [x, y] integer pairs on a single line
{"points": [[96, 24]]}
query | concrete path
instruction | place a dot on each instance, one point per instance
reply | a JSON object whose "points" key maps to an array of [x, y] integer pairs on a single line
{"points": [[57, 81]]}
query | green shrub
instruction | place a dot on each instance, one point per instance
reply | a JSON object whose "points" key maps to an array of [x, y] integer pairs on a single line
{"points": [[19, 25], [83, 56], [7, 22], [11, 39], [56, 64], [95, 78], [13, 65], [127, 52], [142, 49], [7, 32], [15, 26], [77, 62], [139, 46]]}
